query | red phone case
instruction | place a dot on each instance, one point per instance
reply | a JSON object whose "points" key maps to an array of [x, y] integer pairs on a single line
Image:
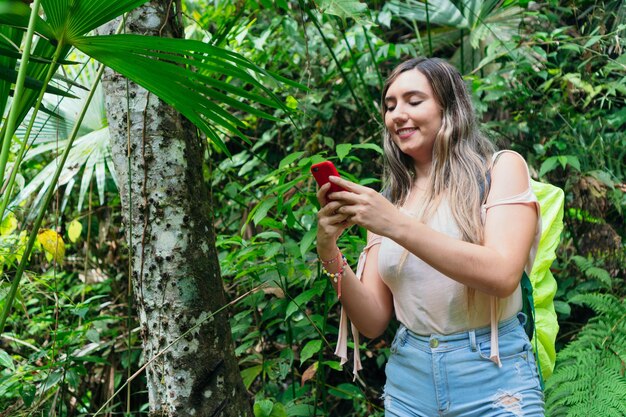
{"points": [[322, 171]]}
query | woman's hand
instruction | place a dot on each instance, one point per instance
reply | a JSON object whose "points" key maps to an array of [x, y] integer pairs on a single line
{"points": [[330, 224], [365, 207]]}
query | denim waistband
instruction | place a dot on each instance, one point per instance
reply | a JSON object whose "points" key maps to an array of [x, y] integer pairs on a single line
{"points": [[457, 340]]}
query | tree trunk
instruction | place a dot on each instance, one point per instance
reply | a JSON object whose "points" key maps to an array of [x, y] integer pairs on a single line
{"points": [[175, 270]]}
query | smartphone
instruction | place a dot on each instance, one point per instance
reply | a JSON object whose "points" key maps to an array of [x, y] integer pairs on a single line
{"points": [[322, 171]]}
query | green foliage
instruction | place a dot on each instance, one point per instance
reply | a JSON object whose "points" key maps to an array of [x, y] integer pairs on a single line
{"points": [[589, 378], [285, 333], [549, 82]]}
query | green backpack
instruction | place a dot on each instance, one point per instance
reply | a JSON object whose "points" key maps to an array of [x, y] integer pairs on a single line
{"points": [[538, 290]]}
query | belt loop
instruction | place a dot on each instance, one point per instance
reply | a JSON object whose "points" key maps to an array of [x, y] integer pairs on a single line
{"points": [[521, 316], [405, 335], [472, 337]]}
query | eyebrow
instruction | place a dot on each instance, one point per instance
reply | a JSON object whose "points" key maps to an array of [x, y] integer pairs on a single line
{"points": [[406, 94]]}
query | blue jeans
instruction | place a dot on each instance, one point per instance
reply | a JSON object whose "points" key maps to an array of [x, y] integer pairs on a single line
{"points": [[451, 375]]}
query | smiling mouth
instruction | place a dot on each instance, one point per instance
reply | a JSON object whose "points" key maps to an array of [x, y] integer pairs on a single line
{"points": [[405, 132]]}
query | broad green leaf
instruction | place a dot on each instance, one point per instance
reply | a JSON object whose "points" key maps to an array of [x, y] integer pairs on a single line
{"points": [[278, 410], [299, 410], [93, 335], [27, 392], [343, 8], [347, 391], [573, 161], [307, 241], [310, 349], [292, 157], [300, 301], [343, 150], [250, 374], [266, 235], [52, 379], [371, 146], [333, 365], [548, 165], [263, 408], [592, 41], [261, 210], [6, 361], [74, 230], [384, 18], [81, 311], [562, 308]]}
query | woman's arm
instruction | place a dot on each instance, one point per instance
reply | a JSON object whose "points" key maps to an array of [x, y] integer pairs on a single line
{"points": [[368, 302], [494, 268]]}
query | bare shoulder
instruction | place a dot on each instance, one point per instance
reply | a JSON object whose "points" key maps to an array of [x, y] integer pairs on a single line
{"points": [[372, 237], [509, 176]]}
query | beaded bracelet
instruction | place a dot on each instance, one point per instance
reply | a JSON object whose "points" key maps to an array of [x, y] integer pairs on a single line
{"points": [[335, 276], [331, 261]]}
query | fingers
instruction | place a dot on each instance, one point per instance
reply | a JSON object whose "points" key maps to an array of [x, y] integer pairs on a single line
{"points": [[332, 212], [353, 194], [347, 185], [322, 194], [331, 219]]}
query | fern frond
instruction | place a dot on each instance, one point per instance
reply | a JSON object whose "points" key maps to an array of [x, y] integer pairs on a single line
{"points": [[603, 304], [589, 377], [600, 274], [582, 263]]}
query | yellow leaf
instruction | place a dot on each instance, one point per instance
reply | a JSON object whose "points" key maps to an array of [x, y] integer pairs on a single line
{"points": [[8, 225], [52, 243], [74, 230], [291, 102]]}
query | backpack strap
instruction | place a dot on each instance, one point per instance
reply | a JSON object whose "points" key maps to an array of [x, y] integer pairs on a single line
{"points": [[341, 349], [528, 305], [528, 308]]}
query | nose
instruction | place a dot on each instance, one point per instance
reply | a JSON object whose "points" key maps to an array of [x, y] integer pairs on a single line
{"points": [[399, 116]]}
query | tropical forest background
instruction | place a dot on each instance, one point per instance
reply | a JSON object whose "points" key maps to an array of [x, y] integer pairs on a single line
{"points": [[302, 85]]}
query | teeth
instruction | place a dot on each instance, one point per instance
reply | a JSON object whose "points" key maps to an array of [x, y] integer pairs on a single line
{"points": [[405, 130]]}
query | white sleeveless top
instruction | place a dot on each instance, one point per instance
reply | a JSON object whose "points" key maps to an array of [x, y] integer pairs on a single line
{"points": [[427, 301]]}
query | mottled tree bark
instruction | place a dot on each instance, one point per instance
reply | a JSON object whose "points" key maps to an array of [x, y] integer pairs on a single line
{"points": [[175, 270]]}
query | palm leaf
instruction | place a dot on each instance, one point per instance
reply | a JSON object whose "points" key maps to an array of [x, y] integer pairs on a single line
{"points": [[16, 13], [182, 73], [10, 75], [8, 35], [485, 21], [87, 154], [70, 19], [442, 12], [36, 71], [90, 151]]}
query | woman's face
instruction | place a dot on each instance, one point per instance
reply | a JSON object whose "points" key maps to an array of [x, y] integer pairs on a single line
{"points": [[413, 116]]}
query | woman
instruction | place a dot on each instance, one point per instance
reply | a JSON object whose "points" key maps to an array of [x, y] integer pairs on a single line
{"points": [[447, 245]]}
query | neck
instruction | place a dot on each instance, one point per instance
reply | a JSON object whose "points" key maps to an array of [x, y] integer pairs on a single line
{"points": [[422, 175], [422, 168]]}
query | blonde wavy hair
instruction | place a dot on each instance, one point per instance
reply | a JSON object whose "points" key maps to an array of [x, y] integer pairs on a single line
{"points": [[461, 153]]}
